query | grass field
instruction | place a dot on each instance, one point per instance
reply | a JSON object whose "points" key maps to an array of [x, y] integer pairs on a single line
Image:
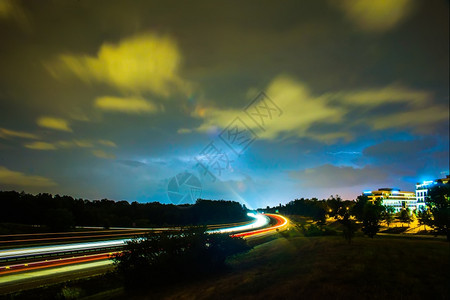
{"points": [[296, 267]]}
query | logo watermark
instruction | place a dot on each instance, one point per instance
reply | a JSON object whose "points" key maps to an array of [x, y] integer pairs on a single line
{"points": [[184, 188], [220, 153]]}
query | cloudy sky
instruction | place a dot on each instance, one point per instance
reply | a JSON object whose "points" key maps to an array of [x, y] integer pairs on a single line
{"points": [[261, 101]]}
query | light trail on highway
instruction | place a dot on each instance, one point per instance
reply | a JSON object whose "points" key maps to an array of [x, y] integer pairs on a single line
{"points": [[260, 221], [21, 253], [41, 250], [116, 232], [281, 222], [54, 263], [22, 271]]}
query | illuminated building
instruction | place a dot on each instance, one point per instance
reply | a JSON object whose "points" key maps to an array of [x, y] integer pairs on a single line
{"points": [[394, 198], [422, 190]]}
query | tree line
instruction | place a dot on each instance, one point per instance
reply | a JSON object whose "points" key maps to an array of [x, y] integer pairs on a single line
{"points": [[368, 215], [59, 213]]}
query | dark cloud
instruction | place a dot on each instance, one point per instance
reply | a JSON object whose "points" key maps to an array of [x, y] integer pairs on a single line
{"points": [[105, 98], [401, 151]]}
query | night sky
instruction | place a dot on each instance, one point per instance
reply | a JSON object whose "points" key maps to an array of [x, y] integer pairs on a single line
{"points": [[112, 99]]}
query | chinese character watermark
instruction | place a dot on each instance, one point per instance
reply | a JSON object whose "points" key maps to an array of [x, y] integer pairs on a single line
{"points": [[263, 110], [238, 136], [217, 157], [213, 161]]}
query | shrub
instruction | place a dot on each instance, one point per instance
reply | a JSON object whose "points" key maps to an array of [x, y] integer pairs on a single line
{"points": [[316, 230], [160, 258]]}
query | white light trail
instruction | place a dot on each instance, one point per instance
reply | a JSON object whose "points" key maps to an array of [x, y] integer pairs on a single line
{"points": [[260, 221], [18, 252]]}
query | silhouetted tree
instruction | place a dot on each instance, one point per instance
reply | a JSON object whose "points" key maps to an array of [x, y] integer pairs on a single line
{"points": [[59, 219], [313, 208], [160, 258], [371, 218], [404, 216], [349, 227], [62, 212], [335, 205], [425, 217], [438, 200], [388, 214], [358, 209]]}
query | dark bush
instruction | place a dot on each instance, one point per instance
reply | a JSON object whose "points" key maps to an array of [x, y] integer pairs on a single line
{"points": [[316, 230], [162, 258]]}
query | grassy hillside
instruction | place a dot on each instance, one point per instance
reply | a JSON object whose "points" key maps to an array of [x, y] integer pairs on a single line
{"points": [[327, 267]]}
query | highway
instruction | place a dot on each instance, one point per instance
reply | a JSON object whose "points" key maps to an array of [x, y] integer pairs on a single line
{"points": [[281, 222], [26, 264]]}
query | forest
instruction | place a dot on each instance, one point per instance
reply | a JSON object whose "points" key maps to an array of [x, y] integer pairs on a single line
{"points": [[60, 213]]}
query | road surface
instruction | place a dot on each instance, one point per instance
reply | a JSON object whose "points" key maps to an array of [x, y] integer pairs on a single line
{"points": [[30, 266]]}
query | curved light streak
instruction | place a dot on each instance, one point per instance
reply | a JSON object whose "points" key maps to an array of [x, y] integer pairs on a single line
{"points": [[260, 221], [281, 222], [19, 252]]}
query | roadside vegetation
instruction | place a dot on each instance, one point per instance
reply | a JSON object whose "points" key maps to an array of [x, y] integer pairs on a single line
{"points": [[27, 213], [371, 216], [168, 257]]}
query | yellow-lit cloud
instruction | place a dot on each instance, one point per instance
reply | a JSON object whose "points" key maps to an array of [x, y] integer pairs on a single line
{"points": [[389, 94], [6, 133], [103, 154], [54, 123], [40, 146], [417, 113], [74, 144], [184, 130], [83, 143], [107, 143], [9, 177], [302, 111], [126, 105], [68, 144], [11, 9], [421, 120], [6, 8], [145, 62], [376, 15]]}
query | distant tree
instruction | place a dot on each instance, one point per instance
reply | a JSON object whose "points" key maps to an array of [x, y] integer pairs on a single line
{"points": [[424, 217], [60, 213], [334, 205], [59, 219], [349, 227], [319, 213], [388, 214], [404, 216], [438, 200], [371, 218], [358, 208]]}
